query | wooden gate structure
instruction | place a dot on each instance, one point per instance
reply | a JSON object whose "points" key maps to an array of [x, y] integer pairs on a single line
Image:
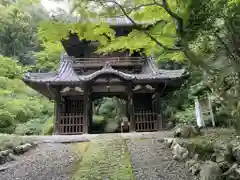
{"points": [[84, 76]]}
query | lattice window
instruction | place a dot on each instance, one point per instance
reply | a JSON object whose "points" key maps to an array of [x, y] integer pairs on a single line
{"points": [[144, 114], [72, 115], [145, 121], [71, 123], [71, 105]]}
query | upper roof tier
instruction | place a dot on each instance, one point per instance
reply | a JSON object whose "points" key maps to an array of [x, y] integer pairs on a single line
{"points": [[66, 73]]}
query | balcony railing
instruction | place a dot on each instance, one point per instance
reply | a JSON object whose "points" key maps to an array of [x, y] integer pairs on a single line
{"points": [[114, 61]]}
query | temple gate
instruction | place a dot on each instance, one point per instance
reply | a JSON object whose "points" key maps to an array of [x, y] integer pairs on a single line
{"points": [[84, 76]]}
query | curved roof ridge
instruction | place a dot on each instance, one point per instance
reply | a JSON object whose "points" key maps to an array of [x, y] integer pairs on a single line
{"points": [[107, 69], [66, 72]]}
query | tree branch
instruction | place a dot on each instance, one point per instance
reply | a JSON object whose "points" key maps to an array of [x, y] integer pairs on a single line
{"points": [[179, 20], [142, 29]]}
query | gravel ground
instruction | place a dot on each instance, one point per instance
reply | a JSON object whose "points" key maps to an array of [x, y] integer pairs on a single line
{"points": [[53, 161], [46, 162], [151, 160]]}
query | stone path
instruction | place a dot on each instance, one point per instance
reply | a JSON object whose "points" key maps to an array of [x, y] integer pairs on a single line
{"points": [[152, 161], [53, 159], [46, 162]]}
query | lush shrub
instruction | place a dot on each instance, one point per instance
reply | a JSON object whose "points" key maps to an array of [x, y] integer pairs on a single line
{"points": [[7, 122], [107, 108], [37, 126], [19, 103], [98, 124], [9, 67], [48, 127], [187, 116]]}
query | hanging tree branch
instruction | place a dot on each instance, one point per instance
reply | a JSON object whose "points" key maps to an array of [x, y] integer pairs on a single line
{"points": [[183, 43], [142, 29], [178, 19]]}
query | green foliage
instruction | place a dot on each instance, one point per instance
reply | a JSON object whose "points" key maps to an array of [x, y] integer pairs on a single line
{"points": [[98, 124], [187, 116], [36, 126], [107, 114], [18, 31], [48, 58], [48, 126], [7, 122], [106, 107], [204, 147], [9, 68], [18, 39], [18, 102]]}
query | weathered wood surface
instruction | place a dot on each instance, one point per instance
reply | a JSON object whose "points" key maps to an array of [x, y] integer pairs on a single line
{"points": [[114, 61], [71, 123]]}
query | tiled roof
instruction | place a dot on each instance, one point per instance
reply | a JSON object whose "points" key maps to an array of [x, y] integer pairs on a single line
{"points": [[66, 73]]}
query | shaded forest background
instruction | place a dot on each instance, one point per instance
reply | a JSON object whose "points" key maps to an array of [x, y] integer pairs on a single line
{"points": [[207, 43]]}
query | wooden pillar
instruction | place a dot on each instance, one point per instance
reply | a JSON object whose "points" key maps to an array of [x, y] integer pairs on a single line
{"points": [[158, 111], [90, 114], [57, 108], [86, 108], [127, 108], [131, 108]]}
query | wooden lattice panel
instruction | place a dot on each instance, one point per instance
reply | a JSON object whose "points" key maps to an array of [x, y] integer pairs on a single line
{"points": [[74, 105], [71, 123], [145, 121]]}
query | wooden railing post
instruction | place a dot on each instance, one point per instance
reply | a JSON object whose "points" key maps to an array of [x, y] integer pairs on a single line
{"points": [[86, 108], [57, 111]]}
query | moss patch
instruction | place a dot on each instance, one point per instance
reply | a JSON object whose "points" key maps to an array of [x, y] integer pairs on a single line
{"points": [[106, 157], [81, 148]]}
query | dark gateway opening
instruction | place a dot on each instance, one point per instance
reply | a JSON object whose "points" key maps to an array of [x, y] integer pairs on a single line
{"points": [[109, 115]]}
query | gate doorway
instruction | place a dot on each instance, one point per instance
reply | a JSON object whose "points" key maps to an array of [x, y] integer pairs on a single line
{"points": [[108, 115], [145, 113]]}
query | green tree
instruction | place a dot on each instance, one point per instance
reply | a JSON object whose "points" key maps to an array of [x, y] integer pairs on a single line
{"points": [[18, 29]]}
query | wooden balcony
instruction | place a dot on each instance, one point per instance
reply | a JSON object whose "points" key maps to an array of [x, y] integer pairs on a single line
{"points": [[120, 62]]}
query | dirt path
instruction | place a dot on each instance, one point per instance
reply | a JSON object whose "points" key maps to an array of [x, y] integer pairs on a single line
{"points": [[152, 161]]}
